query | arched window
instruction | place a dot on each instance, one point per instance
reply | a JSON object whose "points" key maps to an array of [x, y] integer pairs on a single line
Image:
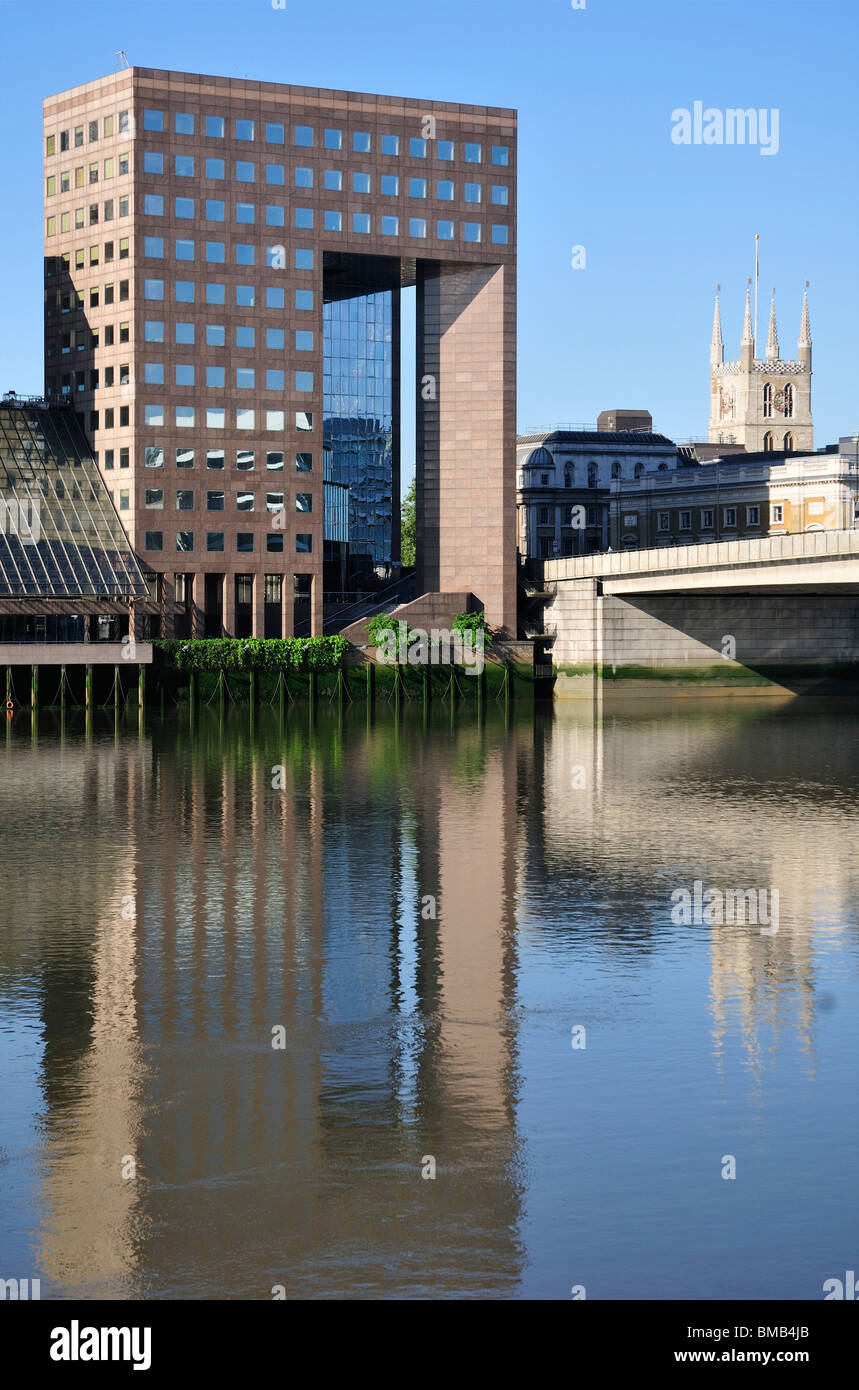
{"points": [[616, 470], [768, 443], [592, 475], [768, 401], [788, 402], [569, 475], [788, 442], [663, 468], [639, 470]]}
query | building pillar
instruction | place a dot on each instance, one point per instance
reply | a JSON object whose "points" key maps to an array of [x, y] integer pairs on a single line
{"points": [[168, 606], [228, 605], [287, 621], [197, 598], [316, 604], [258, 609]]}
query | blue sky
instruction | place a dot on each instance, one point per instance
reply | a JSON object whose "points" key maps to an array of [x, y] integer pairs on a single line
{"points": [[595, 89]]}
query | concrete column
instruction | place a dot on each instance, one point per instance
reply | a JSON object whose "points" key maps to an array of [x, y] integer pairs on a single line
{"points": [[316, 605], [198, 597], [258, 610], [228, 605], [287, 608], [168, 606]]}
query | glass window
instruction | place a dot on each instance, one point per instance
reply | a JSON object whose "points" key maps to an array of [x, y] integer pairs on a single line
{"points": [[304, 299], [245, 419], [215, 459], [390, 184], [184, 333], [274, 380], [273, 217], [361, 222], [304, 543], [215, 251], [244, 502], [183, 123], [154, 456], [390, 226], [152, 120], [333, 139], [245, 296], [153, 372], [361, 142], [184, 249], [184, 541], [274, 174], [184, 499], [333, 221], [215, 418], [153, 331], [244, 541], [153, 246], [303, 177], [304, 218], [417, 227], [473, 154], [303, 340], [123, 207], [215, 376], [444, 231], [333, 180], [216, 292], [215, 210], [153, 414], [472, 231], [244, 130], [154, 540], [184, 374], [215, 127], [273, 462], [274, 420], [153, 289], [183, 166], [273, 542], [244, 253], [499, 234], [184, 416], [303, 258], [244, 171], [274, 133], [244, 378], [245, 212], [215, 501], [360, 183], [153, 162], [304, 381], [184, 458], [245, 336], [214, 540], [274, 298], [417, 147], [304, 420], [499, 194], [184, 207], [274, 501], [444, 149], [417, 188], [390, 144], [304, 501], [216, 335], [214, 168], [184, 292], [472, 192], [500, 154], [274, 338], [304, 135]]}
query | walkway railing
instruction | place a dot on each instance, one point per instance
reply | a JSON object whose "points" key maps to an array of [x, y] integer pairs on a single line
{"points": [[804, 545]]}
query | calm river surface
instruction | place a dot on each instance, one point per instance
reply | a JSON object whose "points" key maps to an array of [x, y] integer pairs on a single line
{"points": [[278, 1006]]}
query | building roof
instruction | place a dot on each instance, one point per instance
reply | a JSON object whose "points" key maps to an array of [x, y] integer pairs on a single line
{"points": [[596, 437], [60, 536]]}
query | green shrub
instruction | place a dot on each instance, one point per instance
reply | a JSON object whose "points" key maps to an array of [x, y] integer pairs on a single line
{"points": [[474, 623], [254, 653]]}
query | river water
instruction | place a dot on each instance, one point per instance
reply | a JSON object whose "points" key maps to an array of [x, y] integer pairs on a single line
{"points": [[351, 1009]]}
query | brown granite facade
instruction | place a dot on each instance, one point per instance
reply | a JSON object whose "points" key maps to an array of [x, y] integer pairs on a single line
{"points": [[188, 223]]}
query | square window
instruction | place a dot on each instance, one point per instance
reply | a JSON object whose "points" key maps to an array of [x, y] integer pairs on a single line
{"points": [[274, 174], [444, 231], [153, 499], [274, 338], [184, 291], [215, 501], [304, 135], [154, 540], [361, 142], [333, 180], [244, 460], [244, 378], [184, 499], [153, 372], [500, 154], [273, 462], [333, 139], [245, 337], [274, 380], [215, 459], [216, 293], [184, 207], [360, 183], [244, 502], [244, 253], [214, 540], [244, 171], [274, 501], [417, 227], [153, 204], [214, 168], [215, 127], [245, 212], [153, 247], [390, 226], [215, 418], [215, 253], [273, 543], [274, 133], [304, 543], [183, 166], [152, 120], [303, 340], [390, 184], [153, 289], [153, 331], [390, 144], [274, 298], [153, 162], [417, 188], [472, 192], [499, 234], [184, 374], [216, 335], [274, 420], [473, 154], [304, 299], [183, 123], [472, 231], [303, 259], [444, 149], [184, 416], [184, 458], [274, 218], [499, 194], [184, 333], [444, 190], [304, 381], [304, 420], [244, 130], [245, 296], [154, 456], [304, 501], [361, 222], [245, 419], [214, 210], [333, 221], [215, 376], [184, 250], [184, 541], [303, 177], [153, 414], [244, 542], [417, 147]]}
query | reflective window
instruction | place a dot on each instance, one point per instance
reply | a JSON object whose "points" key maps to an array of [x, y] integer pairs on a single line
{"points": [[274, 380], [214, 168], [214, 540], [304, 135], [184, 374], [216, 335], [154, 456], [473, 154], [444, 190], [360, 183], [153, 246], [304, 258], [444, 231], [153, 414], [216, 291], [184, 250], [244, 130], [472, 231], [215, 127], [303, 176], [215, 418], [304, 218], [244, 171], [244, 378], [215, 376], [274, 420], [184, 458], [304, 543], [153, 204], [244, 460], [245, 296], [274, 215], [417, 147], [244, 501], [361, 142], [500, 154], [390, 184], [417, 226], [303, 340], [154, 540], [274, 298], [499, 194], [184, 207], [304, 501], [333, 139], [183, 165], [215, 501], [184, 292], [215, 459], [333, 221], [390, 226], [417, 188], [390, 144], [153, 162], [153, 289], [444, 149], [214, 210], [152, 120], [361, 222], [499, 235], [215, 251], [274, 338], [333, 180], [153, 372], [245, 212], [273, 133], [244, 337], [153, 331], [184, 499], [304, 299], [273, 542], [184, 416], [245, 419], [183, 123], [273, 462], [274, 174], [304, 381], [472, 192], [184, 333]]}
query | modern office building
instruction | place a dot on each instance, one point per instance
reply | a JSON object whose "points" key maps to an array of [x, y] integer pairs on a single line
{"points": [[223, 266]]}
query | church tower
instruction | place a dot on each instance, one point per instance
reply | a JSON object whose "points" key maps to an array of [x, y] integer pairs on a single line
{"points": [[762, 403]]}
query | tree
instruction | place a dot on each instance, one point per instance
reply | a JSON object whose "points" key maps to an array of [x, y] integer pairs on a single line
{"points": [[407, 543]]}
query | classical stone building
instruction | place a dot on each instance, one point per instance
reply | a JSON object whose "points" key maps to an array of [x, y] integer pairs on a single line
{"points": [[761, 403]]}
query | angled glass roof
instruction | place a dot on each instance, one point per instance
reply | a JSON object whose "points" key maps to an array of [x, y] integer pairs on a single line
{"points": [[59, 534]]}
